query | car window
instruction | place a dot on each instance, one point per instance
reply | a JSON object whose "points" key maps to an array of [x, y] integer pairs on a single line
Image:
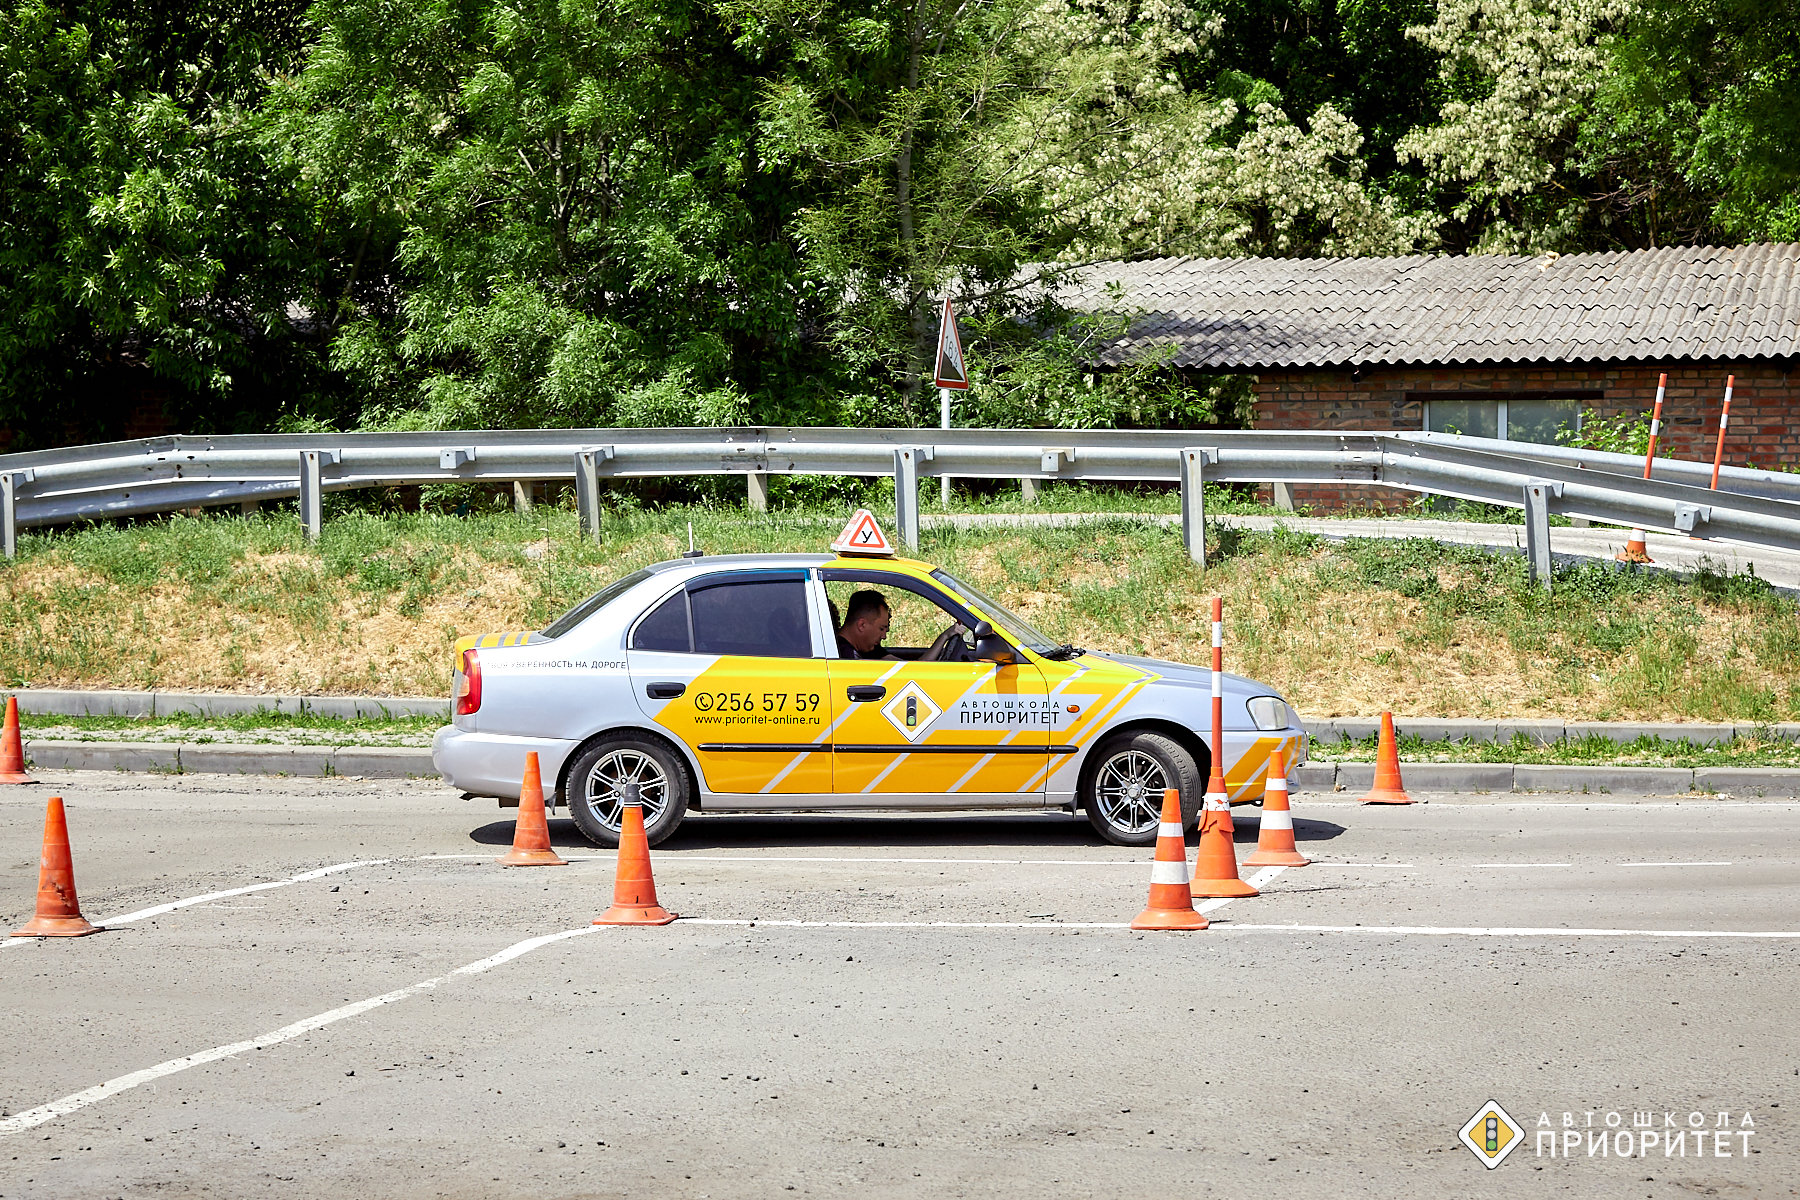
{"points": [[917, 619], [666, 628], [593, 604], [761, 618]]}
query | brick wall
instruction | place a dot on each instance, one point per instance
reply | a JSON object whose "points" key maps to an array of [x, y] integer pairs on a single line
{"points": [[1765, 408]]}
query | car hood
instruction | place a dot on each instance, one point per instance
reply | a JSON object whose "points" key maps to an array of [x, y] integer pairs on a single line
{"points": [[1185, 673]]}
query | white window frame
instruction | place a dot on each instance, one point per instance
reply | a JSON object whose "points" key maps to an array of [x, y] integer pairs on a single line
{"points": [[1465, 398]]}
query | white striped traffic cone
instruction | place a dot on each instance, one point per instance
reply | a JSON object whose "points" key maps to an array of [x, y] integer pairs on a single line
{"points": [[1275, 840], [1171, 903]]}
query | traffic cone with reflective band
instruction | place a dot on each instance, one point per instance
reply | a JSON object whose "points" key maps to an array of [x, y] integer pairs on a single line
{"points": [[58, 911], [1635, 551], [1215, 864], [1171, 902], [634, 891], [1275, 839], [12, 750], [1387, 788], [531, 832]]}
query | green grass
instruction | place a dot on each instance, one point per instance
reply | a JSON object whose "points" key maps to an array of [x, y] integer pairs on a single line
{"points": [[263, 727], [1762, 750], [1343, 628]]}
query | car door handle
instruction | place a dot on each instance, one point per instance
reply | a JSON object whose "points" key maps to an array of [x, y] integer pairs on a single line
{"points": [[664, 691], [865, 691]]}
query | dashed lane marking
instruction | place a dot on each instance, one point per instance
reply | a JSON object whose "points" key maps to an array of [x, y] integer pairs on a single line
{"points": [[159, 909]]}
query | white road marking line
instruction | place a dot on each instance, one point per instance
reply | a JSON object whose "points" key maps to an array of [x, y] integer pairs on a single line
{"points": [[158, 910], [1675, 864], [1234, 927], [1256, 881], [1480, 931], [780, 923], [1505, 866], [124, 1083]]}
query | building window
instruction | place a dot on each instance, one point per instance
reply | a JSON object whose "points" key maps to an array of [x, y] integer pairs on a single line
{"points": [[1515, 416]]}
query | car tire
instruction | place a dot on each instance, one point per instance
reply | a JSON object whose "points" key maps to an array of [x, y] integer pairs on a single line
{"points": [[1123, 793], [595, 782]]}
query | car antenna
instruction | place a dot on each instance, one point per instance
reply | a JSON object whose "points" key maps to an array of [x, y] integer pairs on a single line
{"points": [[691, 552]]}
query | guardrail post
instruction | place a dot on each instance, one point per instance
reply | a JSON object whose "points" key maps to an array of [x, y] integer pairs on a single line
{"points": [[906, 496], [1193, 502], [312, 494], [759, 491], [587, 492], [1284, 496], [9, 508], [1537, 533], [1028, 490], [522, 495]]}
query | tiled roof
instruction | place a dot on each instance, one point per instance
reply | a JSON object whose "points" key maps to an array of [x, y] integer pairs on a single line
{"points": [[1683, 302]]}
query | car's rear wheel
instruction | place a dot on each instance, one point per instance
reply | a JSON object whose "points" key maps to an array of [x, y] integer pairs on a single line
{"points": [[597, 782], [1124, 792]]}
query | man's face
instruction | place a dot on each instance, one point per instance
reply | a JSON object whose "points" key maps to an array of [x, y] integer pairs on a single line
{"points": [[868, 630]]}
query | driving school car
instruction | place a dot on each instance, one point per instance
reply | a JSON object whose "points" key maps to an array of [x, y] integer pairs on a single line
{"points": [[715, 683]]}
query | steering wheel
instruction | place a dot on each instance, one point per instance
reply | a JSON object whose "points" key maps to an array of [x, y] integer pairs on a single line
{"points": [[958, 650]]}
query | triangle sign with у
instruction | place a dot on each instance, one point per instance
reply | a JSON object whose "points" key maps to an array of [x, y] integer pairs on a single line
{"points": [[950, 372], [862, 536]]}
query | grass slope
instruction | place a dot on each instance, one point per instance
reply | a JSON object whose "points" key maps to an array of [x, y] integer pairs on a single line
{"points": [[235, 604]]}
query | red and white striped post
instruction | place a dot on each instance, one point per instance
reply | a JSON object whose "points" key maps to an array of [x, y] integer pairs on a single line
{"points": [[1724, 420], [1216, 799], [1635, 550]]}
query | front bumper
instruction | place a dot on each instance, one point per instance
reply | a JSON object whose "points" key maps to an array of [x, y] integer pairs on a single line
{"points": [[493, 764]]}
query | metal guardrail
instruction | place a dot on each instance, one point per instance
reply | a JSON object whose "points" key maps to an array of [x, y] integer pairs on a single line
{"points": [[172, 473]]}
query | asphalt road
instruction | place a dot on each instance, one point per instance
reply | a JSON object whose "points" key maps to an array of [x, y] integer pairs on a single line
{"points": [[950, 1009]]}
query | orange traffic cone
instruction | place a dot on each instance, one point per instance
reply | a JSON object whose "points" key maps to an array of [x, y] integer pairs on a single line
{"points": [[531, 832], [1275, 840], [634, 891], [1171, 903], [12, 750], [1215, 863], [58, 911], [1387, 789], [1635, 551]]}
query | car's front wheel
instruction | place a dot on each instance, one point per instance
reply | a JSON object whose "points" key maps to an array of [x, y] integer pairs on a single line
{"points": [[1124, 793], [597, 782]]}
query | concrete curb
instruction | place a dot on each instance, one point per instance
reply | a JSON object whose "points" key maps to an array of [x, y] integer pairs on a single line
{"points": [[59, 703], [172, 758], [1431, 729], [404, 762]]}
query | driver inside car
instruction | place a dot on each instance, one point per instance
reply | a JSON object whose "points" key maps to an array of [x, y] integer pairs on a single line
{"points": [[866, 621]]}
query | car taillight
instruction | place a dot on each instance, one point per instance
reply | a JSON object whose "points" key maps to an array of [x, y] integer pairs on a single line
{"points": [[468, 684]]}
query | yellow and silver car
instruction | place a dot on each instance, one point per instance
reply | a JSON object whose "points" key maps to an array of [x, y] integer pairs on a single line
{"points": [[720, 684]]}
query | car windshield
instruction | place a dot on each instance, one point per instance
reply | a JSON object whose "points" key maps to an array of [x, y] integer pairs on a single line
{"points": [[593, 604], [1015, 627]]}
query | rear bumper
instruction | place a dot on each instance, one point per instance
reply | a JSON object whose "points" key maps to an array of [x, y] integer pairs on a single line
{"points": [[493, 764]]}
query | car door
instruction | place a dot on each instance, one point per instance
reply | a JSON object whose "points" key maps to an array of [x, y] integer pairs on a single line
{"points": [[934, 734], [732, 666]]}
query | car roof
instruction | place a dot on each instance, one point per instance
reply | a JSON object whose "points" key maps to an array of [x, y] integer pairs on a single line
{"points": [[713, 562]]}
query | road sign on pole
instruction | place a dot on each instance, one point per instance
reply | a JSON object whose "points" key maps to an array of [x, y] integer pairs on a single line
{"points": [[951, 372]]}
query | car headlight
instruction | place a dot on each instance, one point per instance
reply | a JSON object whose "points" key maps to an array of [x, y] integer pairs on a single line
{"points": [[1271, 712]]}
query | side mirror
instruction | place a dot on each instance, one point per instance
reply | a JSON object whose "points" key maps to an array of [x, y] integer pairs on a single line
{"points": [[991, 647]]}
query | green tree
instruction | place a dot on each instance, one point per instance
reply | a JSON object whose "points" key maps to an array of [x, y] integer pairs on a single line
{"points": [[149, 241], [1697, 121]]}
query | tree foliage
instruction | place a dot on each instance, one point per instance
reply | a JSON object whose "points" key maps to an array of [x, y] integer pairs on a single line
{"points": [[435, 213]]}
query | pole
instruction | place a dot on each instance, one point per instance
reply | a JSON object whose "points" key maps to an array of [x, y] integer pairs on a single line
{"points": [[1662, 384], [1724, 420], [944, 423], [1217, 805]]}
